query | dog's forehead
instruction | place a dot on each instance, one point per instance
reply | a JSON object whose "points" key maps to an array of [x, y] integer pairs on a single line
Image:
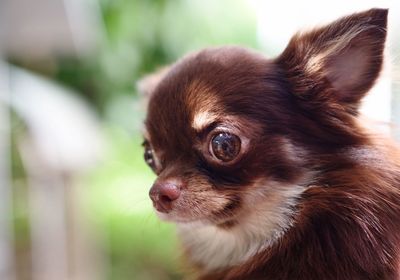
{"points": [[197, 90], [177, 111]]}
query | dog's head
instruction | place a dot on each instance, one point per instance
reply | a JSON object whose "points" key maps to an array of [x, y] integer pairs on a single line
{"points": [[229, 130]]}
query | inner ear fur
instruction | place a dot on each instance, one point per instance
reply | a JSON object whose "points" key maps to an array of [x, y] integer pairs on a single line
{"points": [[337, 62]]}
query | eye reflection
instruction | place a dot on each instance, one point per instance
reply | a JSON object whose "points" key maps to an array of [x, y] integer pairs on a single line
{"points": [[225, 146]]}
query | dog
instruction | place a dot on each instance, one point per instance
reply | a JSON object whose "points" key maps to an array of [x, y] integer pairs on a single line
{"points": [[266, 165]]}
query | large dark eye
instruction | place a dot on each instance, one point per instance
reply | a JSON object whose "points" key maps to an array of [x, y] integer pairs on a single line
{"points": [[148, 156], [225, 146]]}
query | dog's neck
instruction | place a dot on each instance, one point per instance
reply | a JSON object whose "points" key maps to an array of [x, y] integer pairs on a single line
{"points": [[212, 247]]}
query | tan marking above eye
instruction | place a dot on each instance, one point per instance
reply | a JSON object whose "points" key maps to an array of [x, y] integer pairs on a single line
{"points": [[203, 119]]}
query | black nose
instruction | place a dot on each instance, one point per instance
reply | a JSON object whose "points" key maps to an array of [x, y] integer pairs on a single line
{"points": [[163, 194]]}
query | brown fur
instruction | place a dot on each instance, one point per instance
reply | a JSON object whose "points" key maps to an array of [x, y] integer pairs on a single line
{"points": [[297, 117]]}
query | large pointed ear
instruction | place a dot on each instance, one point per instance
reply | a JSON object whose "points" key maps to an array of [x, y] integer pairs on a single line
{"points": [[338, 62]]}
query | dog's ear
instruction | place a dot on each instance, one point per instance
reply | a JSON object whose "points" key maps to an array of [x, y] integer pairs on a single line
{"points": [[338, 62], [148, 83]]}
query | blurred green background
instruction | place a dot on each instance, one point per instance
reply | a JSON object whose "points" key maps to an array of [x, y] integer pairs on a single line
{"points": [[143, 35]]}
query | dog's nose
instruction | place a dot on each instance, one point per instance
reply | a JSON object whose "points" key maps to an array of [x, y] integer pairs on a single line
{"points": [[163, 194]]}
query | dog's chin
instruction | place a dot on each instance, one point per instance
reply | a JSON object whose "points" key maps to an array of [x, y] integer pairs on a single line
{"points": [[173, 217]]}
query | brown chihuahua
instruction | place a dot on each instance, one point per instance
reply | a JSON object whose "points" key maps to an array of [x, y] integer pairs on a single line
{"points": [[265, 165]]}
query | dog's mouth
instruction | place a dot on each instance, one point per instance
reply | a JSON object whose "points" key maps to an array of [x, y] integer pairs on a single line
{"points": [[178, 218], [207, 211], [227, 223]]}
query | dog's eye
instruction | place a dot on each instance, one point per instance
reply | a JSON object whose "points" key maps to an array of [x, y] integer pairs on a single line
{"points": [[149, 157], [225, 146]]}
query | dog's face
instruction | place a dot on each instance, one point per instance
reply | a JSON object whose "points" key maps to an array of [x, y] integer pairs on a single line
{"points": [[216, 132], [229, 131]]}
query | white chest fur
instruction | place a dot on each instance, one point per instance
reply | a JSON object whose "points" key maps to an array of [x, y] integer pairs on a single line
{"points": [[267, 215]]}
